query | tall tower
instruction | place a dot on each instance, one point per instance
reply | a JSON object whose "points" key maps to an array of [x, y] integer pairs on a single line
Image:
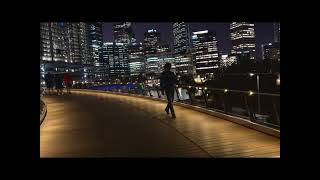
{"points": [[181, 46], [116, 55], [243, 40], [205, 53], [136, 59], [123, 33], [276, 32], [66, 47], [181, 38], [96, 43], [151, 40]]}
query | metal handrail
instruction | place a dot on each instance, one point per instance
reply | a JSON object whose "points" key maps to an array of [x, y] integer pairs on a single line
{"points": [[43, 111], [231, 90], [205, 95]]}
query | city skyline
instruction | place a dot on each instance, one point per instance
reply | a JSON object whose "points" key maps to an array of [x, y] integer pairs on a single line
{"points": [[264, 33], [82, 48]]}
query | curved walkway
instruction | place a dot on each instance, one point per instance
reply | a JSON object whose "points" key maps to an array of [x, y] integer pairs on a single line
{"points": [[94, 124]]}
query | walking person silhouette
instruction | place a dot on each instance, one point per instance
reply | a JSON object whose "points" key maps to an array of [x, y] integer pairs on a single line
{"points": [[168, 81], [49, 79]]}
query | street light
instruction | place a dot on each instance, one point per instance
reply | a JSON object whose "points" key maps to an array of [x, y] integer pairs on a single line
{"points": [[258, 89], [250, 93], [278, 80]]}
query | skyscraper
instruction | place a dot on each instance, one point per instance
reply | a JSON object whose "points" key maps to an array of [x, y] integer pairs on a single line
{"points": [[100, 66], [79, 43], [165, 55], [74, 42], [205, 53], [156, 61], [53, 42], [64, 47], [151, 40], [116, 54], [163, 47], [67, 47], [85, 44], [276, 32], [243, 40], [96, 41], [54, 47], [184, 64], [226, 60], [123, 33], [181, 38], [182, 45], [136, 59], [271, 51]]}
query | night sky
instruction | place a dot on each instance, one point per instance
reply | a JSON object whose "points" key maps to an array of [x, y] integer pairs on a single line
{"points": [[264, 32]]}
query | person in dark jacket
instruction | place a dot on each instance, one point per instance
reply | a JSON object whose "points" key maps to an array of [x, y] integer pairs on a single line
{"points": [[49, 79], [168, 81], [59, 83]]}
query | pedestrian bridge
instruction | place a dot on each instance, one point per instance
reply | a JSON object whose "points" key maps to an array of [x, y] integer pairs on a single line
{"points": [[91, 123]]}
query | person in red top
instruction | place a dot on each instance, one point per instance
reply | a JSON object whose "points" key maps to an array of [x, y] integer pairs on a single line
{"points": [[68, 82]]}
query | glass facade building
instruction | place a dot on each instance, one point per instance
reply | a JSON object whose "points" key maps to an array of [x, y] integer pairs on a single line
{"points": [[122, 33], [54, 42], [181, 46], [136, 59], [243, 40], [181, 38], [276, 32], [155, 63], [116, 55], [100, 68], [151, 40], [271, 51], [65, 47], [226, 60], [205, 52]]}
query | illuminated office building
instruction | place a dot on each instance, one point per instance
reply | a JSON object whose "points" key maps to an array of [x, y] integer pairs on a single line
{"points": [[122, 33], [271, 51], [65, 47], [155, 64], [226, 60], [181, 38], [184, 64], [243, 40], [205, 52], [136, 59], [54, 42], [116, 55], [151, 40], [163, 47], [181, 45], [100, 68], [276, 32]]}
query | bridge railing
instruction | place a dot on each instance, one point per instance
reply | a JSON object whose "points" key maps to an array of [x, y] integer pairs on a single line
{"points": [[43, 106], [258, 107]]}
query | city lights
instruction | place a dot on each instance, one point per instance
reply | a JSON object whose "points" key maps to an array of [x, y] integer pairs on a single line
{"points": [[115, 78], [278, 80]]}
